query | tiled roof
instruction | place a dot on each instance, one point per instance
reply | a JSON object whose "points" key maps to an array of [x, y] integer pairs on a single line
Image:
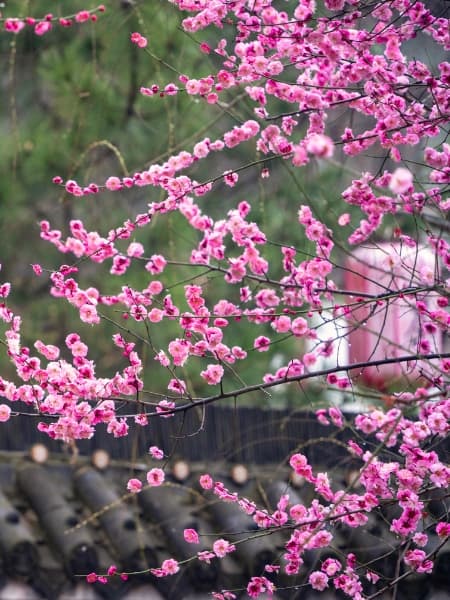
{"points": [[64, 516]]}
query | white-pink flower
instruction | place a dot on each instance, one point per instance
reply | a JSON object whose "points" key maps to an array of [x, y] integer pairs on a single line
{"points": [[79, 349], [179, 350], [88, 314], [261, 343], [206, 481], [113, 184], [163, 408], [320, 145], [156, 452], [344, 219], [222, 547], [134, 485], [318, 580], [155, 477], [5, 413], [135, 249], [299, 326], [156, 264], [155, 315], [212, 374], [170, 566], [401, 181], [177, 385]]}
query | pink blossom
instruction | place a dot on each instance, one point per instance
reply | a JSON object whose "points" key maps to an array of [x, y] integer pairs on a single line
{"points": [[372, 577], [212, 98], [78, 348], [282, 324], [417, 561], [37, 269], [299, 326], [318, 580], [401, 181], [300, 465], [42, 27], [222, 547], [334, 4], [206, 556], [155, 315], [171, 89], [88, 314], [201, 149], [298, 512], [272, 568], [212, 374], [120, 265], [82, 16], [344, 219], [134, 486], [331, 566], [113, 184], [320, 145], [191, 536], [164, 406], [170, 566], [336, 416], [321, 415], [5, 413], [206, 482], [259, 585], [156, 264], [420, 539], [230, 178], [118, 427], [309, 359], [155, 287], [141, 419], [443, 529], [155, 477], [177, 385], [139, 40], [192, 87], [14, 25], [179, 350], [156, 452], [261, 343], [49, 351], [135, 249]]}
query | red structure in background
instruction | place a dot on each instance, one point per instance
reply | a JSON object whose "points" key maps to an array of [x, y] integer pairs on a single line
{"points": [[388, 324]]}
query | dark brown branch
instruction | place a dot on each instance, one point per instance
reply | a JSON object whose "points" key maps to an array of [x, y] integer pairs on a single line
{"points": [[324, 372]]}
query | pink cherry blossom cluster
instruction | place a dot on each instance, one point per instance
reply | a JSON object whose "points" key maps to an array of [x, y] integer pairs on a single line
{"points": [[112, 571], [44, 24], [68, 390], [164, 175], [297, 64], [379, 482]]}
